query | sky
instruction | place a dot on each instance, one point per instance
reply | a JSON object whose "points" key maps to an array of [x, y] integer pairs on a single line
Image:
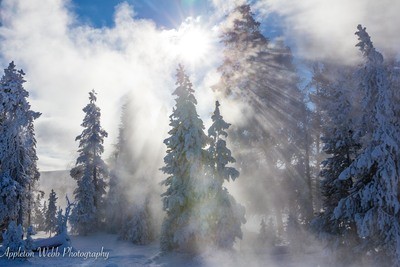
{"points": [[67, 48], [167, 14]]}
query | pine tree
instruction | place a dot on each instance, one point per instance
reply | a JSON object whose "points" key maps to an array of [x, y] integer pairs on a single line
{"points": [[295, 234], [18, 172], [228, 214], [51, 213], [9, 204], [184, 164], [263, 234], [29, 243], [44, 212], [13, 237], [62, 220], [138, 226], [338, 115], [244, 43], [266, 235], [373, 201], [271, 140], [122, 165], [129, 190], [90, 172], [221, 155], [38, 219], [116, 204]]}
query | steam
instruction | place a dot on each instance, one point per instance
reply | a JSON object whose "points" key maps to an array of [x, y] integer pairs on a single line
{"points": [[64, 60], [325, 29]]}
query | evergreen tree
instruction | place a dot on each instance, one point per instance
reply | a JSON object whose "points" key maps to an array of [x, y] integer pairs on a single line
{"points": [[51, 213], [13, 237], [271, 140], [339, 143], [138, 227], [228, 214], [263, 234], [44, 212], [29, 244], [295, 234], [116, 204], [373, 201], [122, 167], [38, 219], [18, 172], [184, 164], [267, 235], [90, 172], [221, 155], [128, 198], [9, 204], [62, 220]]}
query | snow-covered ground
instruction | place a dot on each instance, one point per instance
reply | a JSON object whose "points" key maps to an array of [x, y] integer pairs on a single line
{"points": [[112, 252]]}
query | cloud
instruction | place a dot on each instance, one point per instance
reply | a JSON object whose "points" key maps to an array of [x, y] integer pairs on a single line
{"points": [[222, 7], [325, 29], [64, 59]]}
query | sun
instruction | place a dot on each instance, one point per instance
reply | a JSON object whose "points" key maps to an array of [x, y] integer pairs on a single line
{"points": [[193, 45], [193, 42]]}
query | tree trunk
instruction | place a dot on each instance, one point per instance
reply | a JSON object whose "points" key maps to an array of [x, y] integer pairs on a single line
{"points": [[95, 187], [20, 219], [279, 221], [29, 205], [310, 209]]}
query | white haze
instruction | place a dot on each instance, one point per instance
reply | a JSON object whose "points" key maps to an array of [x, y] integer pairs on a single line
{"points": [[64, 60], [324, 29]]}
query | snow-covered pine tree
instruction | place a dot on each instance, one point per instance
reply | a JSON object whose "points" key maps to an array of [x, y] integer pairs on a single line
{"points": [[44, 211], [60, 221], [243, 43], [373, 202], [9, 204], [138, 226], [129, 192], [18, 172], [228, 214], [13, 238], [184, 164], [263, 234], [221, 155], [116, 204], [29, 244], [295, 234], [267, 233], [51, 213], [38, 218], [90, 172], [260, 78], [122, 165], [338, 115], [273, 238]]}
